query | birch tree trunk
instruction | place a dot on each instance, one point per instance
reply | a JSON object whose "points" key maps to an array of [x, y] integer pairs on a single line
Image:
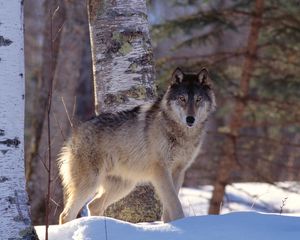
{"points": [[15, 220], [228, 162], [123, 78]]}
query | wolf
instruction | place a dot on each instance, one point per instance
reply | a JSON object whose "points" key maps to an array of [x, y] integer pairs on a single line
{"points": [[108, 155]]}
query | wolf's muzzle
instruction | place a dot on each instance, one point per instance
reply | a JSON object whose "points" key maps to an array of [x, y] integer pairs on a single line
{"points": [[190, 120]]}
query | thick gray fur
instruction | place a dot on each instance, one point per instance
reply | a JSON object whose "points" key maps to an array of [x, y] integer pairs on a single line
{"points": [[107, 156]]}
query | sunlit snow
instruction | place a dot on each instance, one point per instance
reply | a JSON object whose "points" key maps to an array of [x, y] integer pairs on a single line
{"points": [[244, 219]]}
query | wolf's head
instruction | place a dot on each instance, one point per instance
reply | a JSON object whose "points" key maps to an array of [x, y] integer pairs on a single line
{"points": [[190, 97]]}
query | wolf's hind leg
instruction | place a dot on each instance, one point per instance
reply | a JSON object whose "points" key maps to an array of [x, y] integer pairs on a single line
{"points": [[114, 189], [74, 201]]}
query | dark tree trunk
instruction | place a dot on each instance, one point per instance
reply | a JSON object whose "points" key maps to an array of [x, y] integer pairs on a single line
{"points": [[228, 162]]}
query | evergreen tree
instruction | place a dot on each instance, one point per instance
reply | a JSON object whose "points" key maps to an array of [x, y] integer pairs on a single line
{"points": [[255, 68]]}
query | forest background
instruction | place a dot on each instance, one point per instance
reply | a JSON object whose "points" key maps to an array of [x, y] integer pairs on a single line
{"points": [[253, 137]]}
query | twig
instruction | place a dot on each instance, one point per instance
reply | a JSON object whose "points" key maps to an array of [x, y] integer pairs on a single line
{"points": [[55, 11], [63, 101], [74, 107], [56, 205], [263, 203], [191, 207], [48, 127], [57, 34], [283, 204], [44, 164], [61, 131]]}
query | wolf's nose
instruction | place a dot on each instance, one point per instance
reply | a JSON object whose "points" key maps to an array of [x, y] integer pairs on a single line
{"points": [[190, 120]]}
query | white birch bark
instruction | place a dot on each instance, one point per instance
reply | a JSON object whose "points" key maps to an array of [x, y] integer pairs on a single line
{"points": [[15, 220], [123, 78], [122, 54]]}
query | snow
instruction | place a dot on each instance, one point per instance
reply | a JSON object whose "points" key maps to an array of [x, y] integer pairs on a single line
{"points": [[260, 197], [243, 224], [234, 226]]}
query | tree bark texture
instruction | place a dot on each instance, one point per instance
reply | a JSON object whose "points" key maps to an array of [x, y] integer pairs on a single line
{"points": [[67, 80], [122, 54], [123, 78], [15, 222], [228, 163]]}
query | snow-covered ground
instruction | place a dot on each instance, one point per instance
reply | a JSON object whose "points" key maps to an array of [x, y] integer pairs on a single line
{"points": [[241, 220], [261, 197]]}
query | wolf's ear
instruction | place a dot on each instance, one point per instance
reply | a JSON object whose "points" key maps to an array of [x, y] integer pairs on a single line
{"points": [[203, 77], [177, 76]]}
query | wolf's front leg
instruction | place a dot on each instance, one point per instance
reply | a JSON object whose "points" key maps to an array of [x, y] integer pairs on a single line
{"points": [[178, 177], [162, 181]]}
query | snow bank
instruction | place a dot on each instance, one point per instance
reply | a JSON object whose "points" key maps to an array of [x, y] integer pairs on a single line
{"points": [[260, 197], [233, 226]]}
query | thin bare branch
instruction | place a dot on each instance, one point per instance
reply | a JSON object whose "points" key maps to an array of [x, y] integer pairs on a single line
{"points": [[61, 131], [49, 128], [58, 32], [74, 107], [66, 110]]}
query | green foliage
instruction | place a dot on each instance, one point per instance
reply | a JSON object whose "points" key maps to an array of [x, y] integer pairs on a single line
{"points": [[187, 24], [273, 102], [277, 62]]}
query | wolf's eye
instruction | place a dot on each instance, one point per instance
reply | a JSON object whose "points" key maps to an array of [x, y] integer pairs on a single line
{"points": [[182, 99]]}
